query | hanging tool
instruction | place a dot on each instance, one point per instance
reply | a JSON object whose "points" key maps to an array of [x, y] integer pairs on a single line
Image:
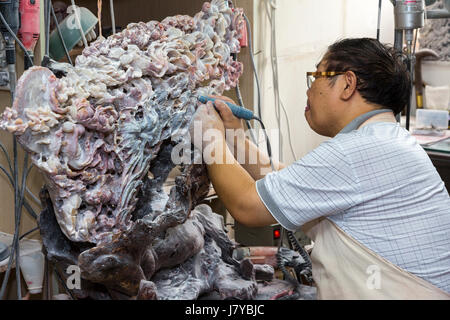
{"points": [[10, 12], [29, 26], [409, 15], [420, 55]]}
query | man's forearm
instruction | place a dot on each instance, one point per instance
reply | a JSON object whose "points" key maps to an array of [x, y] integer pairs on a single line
{"points": [[236, 188], [253, 160]]}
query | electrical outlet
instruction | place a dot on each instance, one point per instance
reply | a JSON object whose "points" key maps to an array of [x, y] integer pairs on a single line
{"points": [[4, 75]]}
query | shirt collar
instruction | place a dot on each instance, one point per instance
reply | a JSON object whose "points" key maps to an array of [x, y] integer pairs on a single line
{"points": [[358, 121]]}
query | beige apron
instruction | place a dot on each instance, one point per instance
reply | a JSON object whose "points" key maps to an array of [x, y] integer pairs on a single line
{"points": [[345, 269]]}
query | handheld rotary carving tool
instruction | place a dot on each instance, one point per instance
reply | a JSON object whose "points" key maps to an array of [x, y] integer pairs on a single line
{"points": [[238, 111]]}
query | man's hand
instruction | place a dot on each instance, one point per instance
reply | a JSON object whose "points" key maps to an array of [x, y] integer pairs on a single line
{"points": [[235, 132], [206, 126], [234, 185], [229, 120]]}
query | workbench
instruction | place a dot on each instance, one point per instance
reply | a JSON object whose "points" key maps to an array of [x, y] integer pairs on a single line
{"points": [[439, 154], [437, 148]]}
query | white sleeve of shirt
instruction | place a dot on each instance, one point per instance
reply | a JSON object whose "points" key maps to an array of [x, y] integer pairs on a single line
{"points": [[322, 183]]}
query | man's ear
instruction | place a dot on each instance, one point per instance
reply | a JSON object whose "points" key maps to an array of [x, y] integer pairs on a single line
{"points": [[349, 87]]}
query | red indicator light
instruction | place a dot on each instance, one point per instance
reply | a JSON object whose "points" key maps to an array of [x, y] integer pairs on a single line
{"points": [[276, 234]]}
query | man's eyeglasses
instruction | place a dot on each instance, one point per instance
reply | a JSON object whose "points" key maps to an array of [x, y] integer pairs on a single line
{"points": [[311, 76]]}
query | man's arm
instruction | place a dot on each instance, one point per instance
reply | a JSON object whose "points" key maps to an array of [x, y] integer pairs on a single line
{"points": [[252, 159], [236, 188], [238, 193]]}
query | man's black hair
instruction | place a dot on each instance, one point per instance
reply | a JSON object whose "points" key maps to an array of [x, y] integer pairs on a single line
{"points": [[383, 77]]}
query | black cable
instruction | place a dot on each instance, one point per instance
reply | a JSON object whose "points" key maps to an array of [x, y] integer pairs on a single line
{"points": [[269, 148], [18, 209], [25, 204], [11, 259], [17, 215], [408, 105], [250, 47], [415, 41], [379, 19], [28, 232], [18, 194], [25, 172], [8, 159], [247, 122], [47, 28], [30, 209], [281, 265], [7, 175], [297, 247], [63, 283], [60, 34]]}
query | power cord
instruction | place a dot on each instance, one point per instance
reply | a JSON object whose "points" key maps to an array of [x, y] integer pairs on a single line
{"points": [[250, 47], [274, 62], [269, 147], [379, 19]]}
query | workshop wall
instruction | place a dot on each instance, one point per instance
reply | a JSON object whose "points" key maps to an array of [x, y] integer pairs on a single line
{"points": [[304, 29]]}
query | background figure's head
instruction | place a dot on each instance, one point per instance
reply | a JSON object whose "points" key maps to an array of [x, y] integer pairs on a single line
{"points": [[383, 78], [369, 76]]}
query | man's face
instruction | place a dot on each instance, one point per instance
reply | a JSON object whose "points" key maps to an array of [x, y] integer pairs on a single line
{"points": [[322, 106]]}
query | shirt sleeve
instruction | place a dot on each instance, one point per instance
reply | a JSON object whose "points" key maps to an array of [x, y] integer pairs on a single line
{"points": [[320, 184]]}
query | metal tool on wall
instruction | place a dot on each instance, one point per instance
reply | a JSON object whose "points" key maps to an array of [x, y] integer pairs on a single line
{"points": [[420, 55], [409, 18]]}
